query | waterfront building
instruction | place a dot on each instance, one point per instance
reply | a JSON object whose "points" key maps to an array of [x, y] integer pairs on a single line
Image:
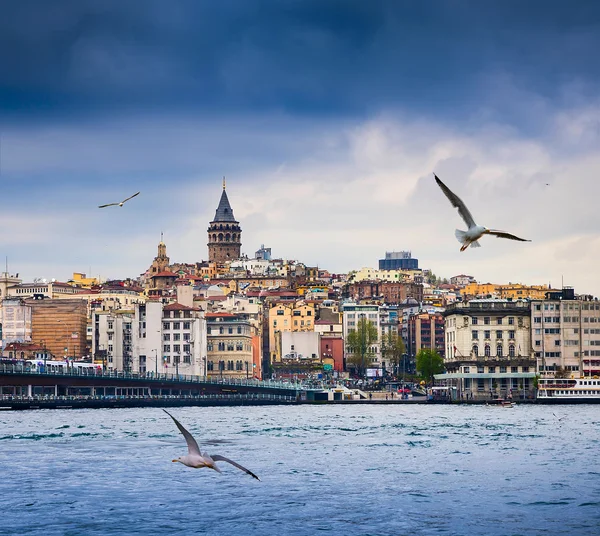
{"points": [[15, 321], [371, 274], [60, 325], [224, 233], [232, 346], [488, 347], [398, 260], [566, 334], [112, 339]]}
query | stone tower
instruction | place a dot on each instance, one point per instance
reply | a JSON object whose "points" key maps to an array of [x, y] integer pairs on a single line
{"points": [[161, 261], [224, 233]]}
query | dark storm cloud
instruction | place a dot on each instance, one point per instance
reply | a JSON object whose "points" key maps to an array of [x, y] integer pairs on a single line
{"points": [[294, 55]]}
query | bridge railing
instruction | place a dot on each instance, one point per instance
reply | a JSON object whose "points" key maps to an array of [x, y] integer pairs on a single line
{"points": [[208, 396], [73, 371]]}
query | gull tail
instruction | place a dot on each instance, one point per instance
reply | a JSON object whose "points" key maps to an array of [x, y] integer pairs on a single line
{"points": [[475, 244], [461, 236]]}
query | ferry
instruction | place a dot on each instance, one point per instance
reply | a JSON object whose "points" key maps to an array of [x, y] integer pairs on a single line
{"points": [[560, 390]]}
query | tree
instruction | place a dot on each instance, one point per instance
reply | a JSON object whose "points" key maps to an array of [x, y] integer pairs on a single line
{"points": [[360, 344], [392, 348], [429, 362]]}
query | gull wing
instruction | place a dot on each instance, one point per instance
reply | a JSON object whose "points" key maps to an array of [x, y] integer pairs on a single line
{"points": [[109, 205], [130, 197], [502, 234], [218, 458], [456, 202], [189, 438]]}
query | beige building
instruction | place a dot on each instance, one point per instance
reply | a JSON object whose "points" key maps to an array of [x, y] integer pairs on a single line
{"points": [[488, 348], [566, 335], [294, 316]]}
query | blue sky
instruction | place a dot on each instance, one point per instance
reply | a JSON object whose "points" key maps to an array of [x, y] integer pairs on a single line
{"points": [[327, 117]]}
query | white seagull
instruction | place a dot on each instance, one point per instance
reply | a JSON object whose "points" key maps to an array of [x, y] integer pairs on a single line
{"points": [[474, 232], [198, 460], [119, 204]]}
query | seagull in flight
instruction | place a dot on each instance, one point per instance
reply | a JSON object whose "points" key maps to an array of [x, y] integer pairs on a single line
{"points": [[197, 460], [121, 203], [474, 232]]}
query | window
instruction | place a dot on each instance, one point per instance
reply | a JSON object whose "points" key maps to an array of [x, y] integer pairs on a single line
{"points": [[486, 320], [511, 320], [177, 348], [186, 348], [511, 334], [176, 325], [538, 343], [186, 325], [210, 365], [499, 320], [280, 312], [166, 336], [474, 335], [176, 336], [487, 334], [475, 350], [502, 370], [166, 348], [511, 350], [186, 336], [498, 334], [230, 331], [487, 350], [209, 347], [499, 350], [491, 370], [239, 330], [474, 320], [514, 370], [166, 325]]}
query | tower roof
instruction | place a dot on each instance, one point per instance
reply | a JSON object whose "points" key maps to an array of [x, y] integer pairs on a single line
{"points": [[224, 211]]}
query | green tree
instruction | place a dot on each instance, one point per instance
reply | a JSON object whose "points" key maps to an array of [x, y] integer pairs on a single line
{"points": [[392, 348], [360, 345], [429, 362]]}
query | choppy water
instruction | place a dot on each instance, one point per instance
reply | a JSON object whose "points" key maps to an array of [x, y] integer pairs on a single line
{"points": [[368, 470]]}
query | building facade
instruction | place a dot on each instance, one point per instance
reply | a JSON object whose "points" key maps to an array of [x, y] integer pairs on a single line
{"points": [[488, 348], [566, 335]]}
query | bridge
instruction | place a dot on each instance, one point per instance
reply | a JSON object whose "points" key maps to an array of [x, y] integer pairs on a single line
{"points": [[19, 383]]}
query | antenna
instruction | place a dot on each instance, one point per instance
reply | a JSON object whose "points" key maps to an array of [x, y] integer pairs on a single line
{"points": [[223, 182]]}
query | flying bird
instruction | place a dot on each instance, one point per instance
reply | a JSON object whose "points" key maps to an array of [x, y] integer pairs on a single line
{"points": [[119, 204], [474, 232], [196, 459]]}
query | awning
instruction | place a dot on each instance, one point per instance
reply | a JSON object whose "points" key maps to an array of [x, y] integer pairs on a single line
{"points": [[483, 375]]}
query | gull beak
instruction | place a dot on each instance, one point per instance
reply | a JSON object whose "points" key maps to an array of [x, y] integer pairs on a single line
{"points": [[174, 461]]}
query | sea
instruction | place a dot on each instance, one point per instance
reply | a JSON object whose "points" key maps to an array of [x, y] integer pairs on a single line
{"points": [[395, 469]]}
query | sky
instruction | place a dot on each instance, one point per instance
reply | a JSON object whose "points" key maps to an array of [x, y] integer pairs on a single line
{"points": [[328, 119]]}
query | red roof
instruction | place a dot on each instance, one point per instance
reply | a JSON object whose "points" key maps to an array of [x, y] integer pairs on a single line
{"points": [[165, 274], [219, 315], [179, 307]]}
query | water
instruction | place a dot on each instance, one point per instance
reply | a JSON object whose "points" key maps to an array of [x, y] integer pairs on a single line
{"points": [[368, 470]]}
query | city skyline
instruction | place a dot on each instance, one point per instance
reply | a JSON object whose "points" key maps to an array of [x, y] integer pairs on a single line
{"points": [[327, 122]]}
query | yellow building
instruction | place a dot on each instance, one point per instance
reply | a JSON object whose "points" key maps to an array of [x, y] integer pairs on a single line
{"points": [[516, 291], [298, 316], [79, 280], [372, 274], [480, 289]]}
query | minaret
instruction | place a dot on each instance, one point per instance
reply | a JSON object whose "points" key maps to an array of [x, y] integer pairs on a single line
{"points": [[224, 233]]}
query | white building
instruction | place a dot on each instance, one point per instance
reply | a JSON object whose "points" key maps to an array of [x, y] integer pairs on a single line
{"points": [[299, 345], [566, 335], [488, 347], [352, 313], [153, 338]]}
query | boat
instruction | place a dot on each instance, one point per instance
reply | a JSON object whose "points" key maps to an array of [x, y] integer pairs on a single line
{"points": [[507, 404], [573, 390]]}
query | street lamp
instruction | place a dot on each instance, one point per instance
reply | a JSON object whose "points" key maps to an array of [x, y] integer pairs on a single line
{"points": [[155, 362], [246, 370], [204, 360], [177, 364]]}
